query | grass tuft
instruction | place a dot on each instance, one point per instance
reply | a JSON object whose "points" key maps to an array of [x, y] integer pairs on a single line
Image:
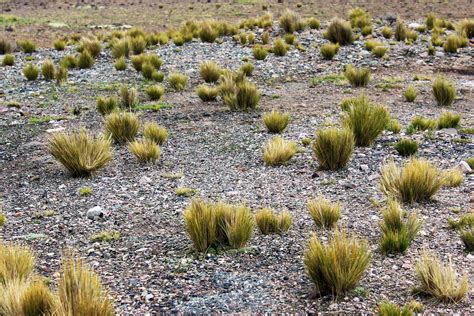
{"points": [[453, 177], [155, 133], [358, 77], [276, 121], [324, 212], [106, 105], [443, 91], [146, 151], [410, 93], [329, 50], [210, 71], [339, 31], [207, 93], [333, 148], [291, 22], [30, 72], [448, 120], [122, 126], [16, 263], [155, 92], [278, 151], [406, 147], [177, 81], [268, 222]]}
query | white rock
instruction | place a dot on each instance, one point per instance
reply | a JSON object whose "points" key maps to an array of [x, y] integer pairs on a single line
{"points": [[414, 25], [144, 180], [55, 130], [95, 212], [464, 167]]}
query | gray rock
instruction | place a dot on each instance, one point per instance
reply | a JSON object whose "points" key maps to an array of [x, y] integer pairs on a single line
{"points": [[95, 213], [464, 167]]}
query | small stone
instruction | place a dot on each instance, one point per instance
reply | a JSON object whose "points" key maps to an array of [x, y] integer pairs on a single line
{"points": [[464, 167], [145, 180], [364, 167], [55, 130], [95, 213]]}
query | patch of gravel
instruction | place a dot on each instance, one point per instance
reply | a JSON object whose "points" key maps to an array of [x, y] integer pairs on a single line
{"points": [[152, 267]]}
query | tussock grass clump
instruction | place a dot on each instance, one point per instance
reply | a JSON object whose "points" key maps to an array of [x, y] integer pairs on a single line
{"points": [[177, 81], [379, 51], [85, 60], [27, 46], [453, 177], [440, 280], [120, 64], [155, 132], [290, 39], [337, 267], [268, 222], [68, 61], [400, 31], [386, 308], [80, 153], [121, 48], [366, 121], [467, 237], [280, 48], [454, 42], [122, 126], [47, 69], [448, 120], [247, 69], [417, 181], [218, 224], [5, 46], [128, 97], [358, 77], [370, 44], [8, 60], [80, 291], [359, 18], [420, 123], [61, 75], [59, 45], [137, 45], [406, 147], [155, 92], [37, 299], [239, 94], [313, 23], [324, 212], [466, 27], [3, 219], [329, 50], [145, 150], [16, 263], [394, 126], [207, 93], [106, 105], [30, 72], [410, 93], [333, 147], [92, 46], [207, 33], [387, 32], [339, 31], [210, 71], [291, 22], [278, 151], [265, 38], [137, 62], [147, 70], [259, 52], [276, 121], [443, 91], [398, 229], [158, 76]]}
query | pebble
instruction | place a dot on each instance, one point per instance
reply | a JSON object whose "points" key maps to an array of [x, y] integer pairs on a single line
{"points": [[95, 213]]}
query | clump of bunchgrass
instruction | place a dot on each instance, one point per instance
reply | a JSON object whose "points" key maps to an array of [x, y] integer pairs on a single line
{"points": [[280, 48], [30, 72], [207, 93], [145, 150], [128, 97], [398, 229], [61, 75], [247, 68], [406, 147], [339, 31], [418, 180], [122, 126], [80, 153], [8, 60], [333, 147], [85, 60], [394, 126], [16, 263], [324, 212], [276, 121], [443, 91], [400, 31], [177, 81], [453, 177], [291, 22], [90, 45], [210, 71], [120, 64], [154, 132], [387, 32], [440, 280], [259, 52], [329, 50], [47, 69], [239, 94], [106, 105], [155, 92], [410, 93], [59, 44], [27, 46], [337, 267], [278, 151], [358, 77], [386, 308], [5, 46], [420, 123], [269, 222], [448, 120]]}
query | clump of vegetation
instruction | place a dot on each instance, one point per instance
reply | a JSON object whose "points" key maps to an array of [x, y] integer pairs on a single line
{"points": [[366, 121], [339, 31], [155, 92], [92, 46], [207, 33], [329, 50], [313, 23], [8, 60], [420, 123], [61, 75], [186, 192], [85, 191], [120, 64], [85, 60], [121, 48], [207, 93], [398, 229], [400, 31], [466, 27], [358, 77], [239, 94], [106, 236], [268, 222], [122, 126], [155, 133], [291, 22], [59, 45], [27, 46], [359, 18], [278, 151], [30, 72], [247, 69], [453, 43], [47, 69], [440, 280], [68, 61], [5, 46], [324, 212], [128, 97], [210, 225], [259, 52], [80, 153], [333, 147], [386, 308], [280, 48], [443, 91], [337, 267], [406, 147], [417, 181], [394, 126], [137, 45], [177, 81], [453, 177], [276, 121], [380, 51], [290, 39], [3, 219], [387, 32], [410, 93], [210, 71], [106, 105], [448, 120], [145, 150]]}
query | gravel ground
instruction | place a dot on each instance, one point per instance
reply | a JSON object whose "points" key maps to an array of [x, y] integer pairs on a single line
{"points": [[152, 267]]}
